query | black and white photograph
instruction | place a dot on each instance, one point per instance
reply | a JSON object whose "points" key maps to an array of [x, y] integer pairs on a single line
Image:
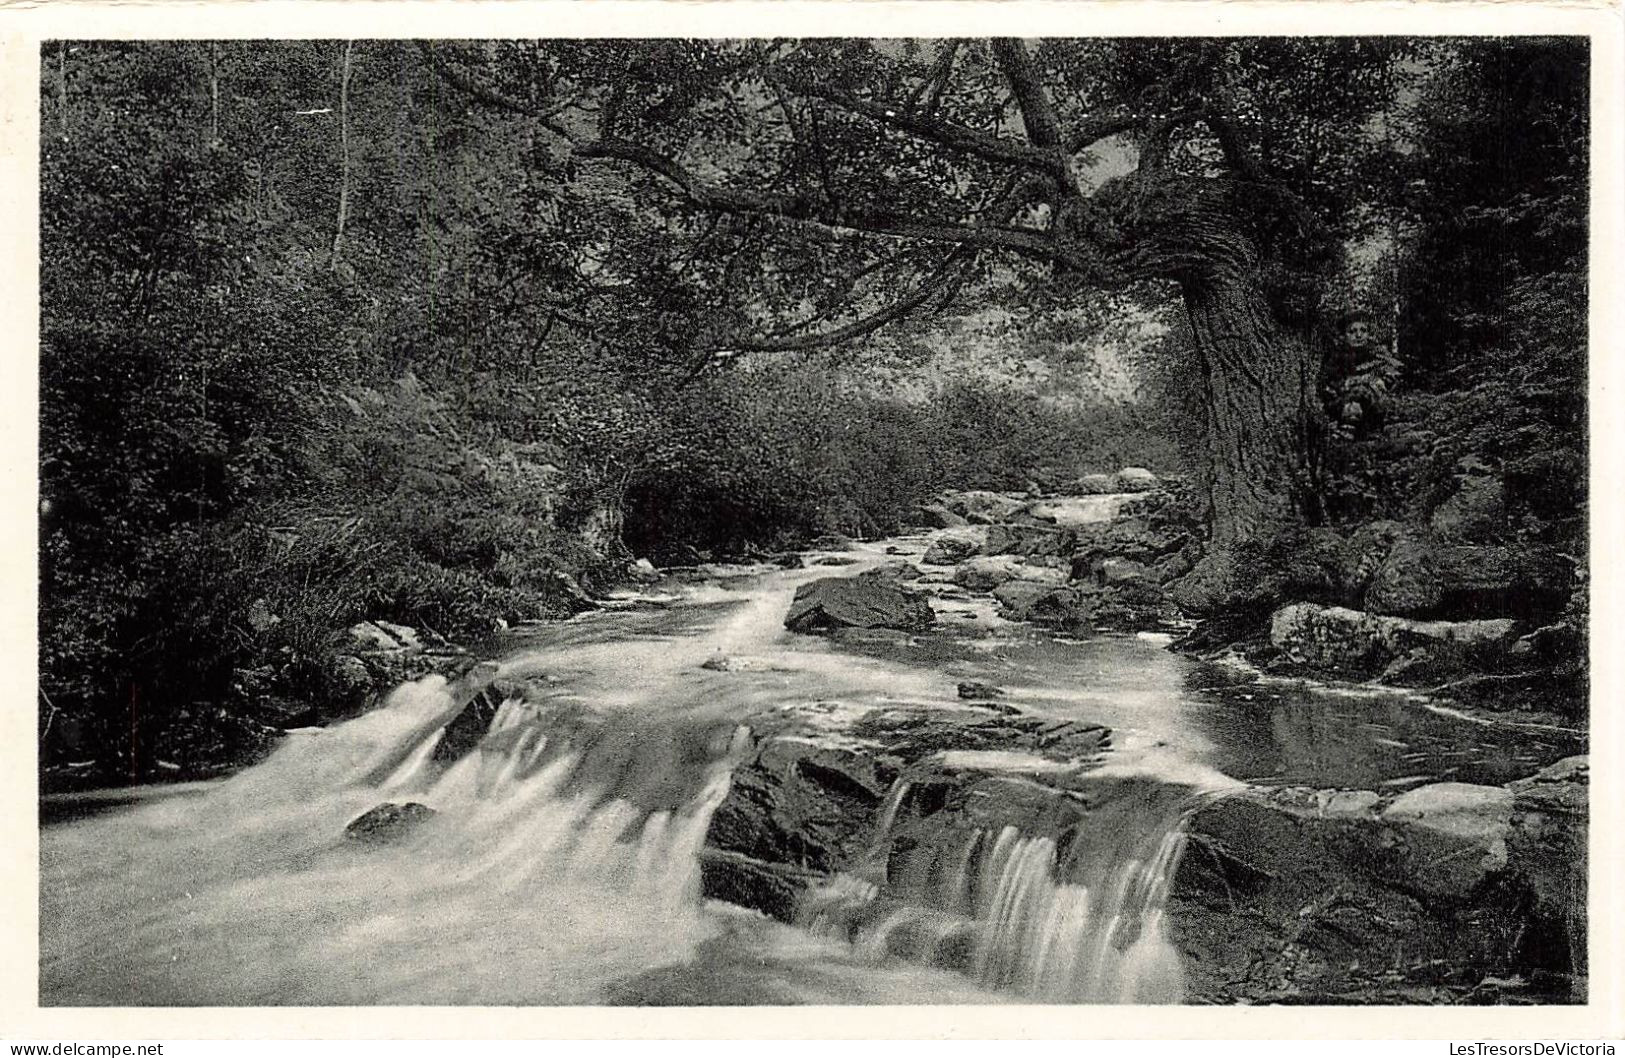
{"points": [[770, 521]]}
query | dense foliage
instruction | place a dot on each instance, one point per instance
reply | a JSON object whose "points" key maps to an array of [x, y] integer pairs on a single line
{"points": [[342, 330]]}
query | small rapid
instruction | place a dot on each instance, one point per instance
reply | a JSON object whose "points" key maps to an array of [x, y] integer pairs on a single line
{"points": [[558, 856]]}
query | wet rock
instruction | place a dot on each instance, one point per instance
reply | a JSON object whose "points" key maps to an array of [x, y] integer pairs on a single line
{"points": [[938, 516], [744, 881], [1342, 804], [1134, 479], [980, 504], [481, 695], [971, 689], [1306, 896], [1043, 603], [1454, 836], [807, 798], [896, 569], [953, 546], [1028, 540], [1133, 539], [857, 602], [1547, 849], [347, 683], [835, 560], [1343, 640], [1133, 605], [1115, 571], [987, 573], [388, 823], [1405, 571], [645, 571]]}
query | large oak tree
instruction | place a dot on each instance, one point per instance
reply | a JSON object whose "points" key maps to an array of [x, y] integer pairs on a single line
{"points": [[827, 188]]}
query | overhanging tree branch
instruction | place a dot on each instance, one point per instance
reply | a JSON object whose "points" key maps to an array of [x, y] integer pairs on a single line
{"points": [[956, 137], [938, 282], [488, 95], [834, 216]]}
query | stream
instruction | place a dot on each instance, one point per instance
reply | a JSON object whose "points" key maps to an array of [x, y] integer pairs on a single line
{"points": [[562, 865]]}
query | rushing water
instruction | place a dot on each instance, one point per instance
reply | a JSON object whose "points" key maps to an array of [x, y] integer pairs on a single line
{"points": [[561, 865]]}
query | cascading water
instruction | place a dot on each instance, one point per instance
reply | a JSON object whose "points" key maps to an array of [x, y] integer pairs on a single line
{"points": [[1069, 918], [561, 863], [562, 856]]}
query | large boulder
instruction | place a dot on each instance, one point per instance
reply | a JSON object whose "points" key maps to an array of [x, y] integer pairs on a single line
{"points": [[857, 602], [1134, 605], [953, 547], [1043, 603], [1028, 540], [938, 516], [1454, 836], [983, 506], [1409, 572], [988, 572], [1357, 642], [1134, 479], [1136, 539], [1303, 896], [819, 777]]}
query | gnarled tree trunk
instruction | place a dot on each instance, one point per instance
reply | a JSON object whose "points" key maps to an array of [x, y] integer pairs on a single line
{"points": [[1259, 396]]}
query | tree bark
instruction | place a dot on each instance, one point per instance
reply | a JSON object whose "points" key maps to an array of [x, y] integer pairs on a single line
{"points": [[1259, 397]]}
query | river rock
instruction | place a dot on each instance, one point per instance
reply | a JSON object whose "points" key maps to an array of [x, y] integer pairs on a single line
{"points": [[1308, 896], [1134, 539], [1043, 603], [953, 546], [807, 796], [1339, 639], [980, 505], [1116, 571], [1134, 605], [347, 682], [1134, 479], [1028, 540], [1454, 836], [388, 822], [1406, 571], [972, 689], [988, 572], [857, 602], [938, 516]]}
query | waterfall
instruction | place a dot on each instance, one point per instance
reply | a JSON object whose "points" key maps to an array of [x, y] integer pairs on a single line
{"points": [[1068, 917]]}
